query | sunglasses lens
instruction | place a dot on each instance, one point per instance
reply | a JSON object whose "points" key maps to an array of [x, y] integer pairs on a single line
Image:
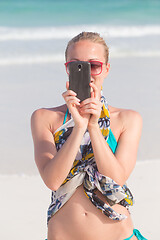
{"points": [[96, 67]]}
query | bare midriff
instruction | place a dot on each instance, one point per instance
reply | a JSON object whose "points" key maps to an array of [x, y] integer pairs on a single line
{"points": [[79, 219]]}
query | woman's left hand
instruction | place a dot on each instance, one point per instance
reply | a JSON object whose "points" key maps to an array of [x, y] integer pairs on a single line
{"points": [[92, 105]]}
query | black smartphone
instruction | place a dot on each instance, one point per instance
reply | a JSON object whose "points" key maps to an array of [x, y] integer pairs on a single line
{"points": [[79, 78]]}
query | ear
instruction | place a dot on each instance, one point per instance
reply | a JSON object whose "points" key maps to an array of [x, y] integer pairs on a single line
{"points": [[107, 67]]}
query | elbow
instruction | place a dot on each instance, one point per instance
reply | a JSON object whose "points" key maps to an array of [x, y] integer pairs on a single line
{"points": [[122, 179], [121, 182], [52, 183], [54, 187], [50, 179], [51, 186]]}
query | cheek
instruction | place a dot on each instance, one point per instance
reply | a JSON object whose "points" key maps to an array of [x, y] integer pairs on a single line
{"points": [[98, 82]]}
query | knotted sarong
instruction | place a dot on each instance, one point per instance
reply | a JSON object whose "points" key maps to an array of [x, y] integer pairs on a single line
{"points": [[84, 171]]}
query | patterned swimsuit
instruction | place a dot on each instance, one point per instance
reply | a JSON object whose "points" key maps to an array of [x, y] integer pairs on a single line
{"points": [[84, 171]]}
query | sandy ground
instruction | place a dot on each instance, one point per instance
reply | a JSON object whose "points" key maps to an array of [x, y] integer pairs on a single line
{"points": [[132, 83], [25, 199]]}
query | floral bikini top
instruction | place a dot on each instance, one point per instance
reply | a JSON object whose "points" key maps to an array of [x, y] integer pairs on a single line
{"points": [[84, 171]]}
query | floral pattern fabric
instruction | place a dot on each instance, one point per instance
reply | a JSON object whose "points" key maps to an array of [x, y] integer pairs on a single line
{"points": [[84, 171]]}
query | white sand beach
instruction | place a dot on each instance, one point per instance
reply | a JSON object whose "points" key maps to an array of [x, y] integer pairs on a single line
{"points": [[25, 199], [33, 38], [24, 88]]}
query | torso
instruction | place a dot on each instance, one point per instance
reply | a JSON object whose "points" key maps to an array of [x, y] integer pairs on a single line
{"points": [[79, 218]]}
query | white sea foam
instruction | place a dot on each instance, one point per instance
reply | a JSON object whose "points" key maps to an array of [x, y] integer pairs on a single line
{"points": [[135, 54], [38, 59], [31, 59], [47, 33]]}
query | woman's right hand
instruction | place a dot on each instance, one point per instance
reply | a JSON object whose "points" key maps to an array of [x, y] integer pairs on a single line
{"points": [[73, 104]]}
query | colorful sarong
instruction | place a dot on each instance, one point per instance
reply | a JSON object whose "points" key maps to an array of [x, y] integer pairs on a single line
{"points": [[84, 171]]}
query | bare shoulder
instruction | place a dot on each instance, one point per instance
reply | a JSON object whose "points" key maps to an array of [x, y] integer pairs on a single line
{"points": [[130, 118], [125, 118], [48, 117], [127, 126]]}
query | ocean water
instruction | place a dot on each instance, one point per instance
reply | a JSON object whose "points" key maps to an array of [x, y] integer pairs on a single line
{"points": [[33, 37], [37, 31], [60, 12]]}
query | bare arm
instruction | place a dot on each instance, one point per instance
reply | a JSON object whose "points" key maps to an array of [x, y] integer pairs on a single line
{"points": [[118, 166], [53, 166]]}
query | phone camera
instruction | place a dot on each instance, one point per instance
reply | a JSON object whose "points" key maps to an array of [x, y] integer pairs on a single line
{"points": [[79, 67]]}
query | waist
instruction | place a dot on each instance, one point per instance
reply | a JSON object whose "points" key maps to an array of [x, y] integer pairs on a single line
{"points": [[80, 219]]}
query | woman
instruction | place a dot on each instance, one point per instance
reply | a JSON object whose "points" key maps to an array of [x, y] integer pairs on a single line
{"points": [[90, 157]]}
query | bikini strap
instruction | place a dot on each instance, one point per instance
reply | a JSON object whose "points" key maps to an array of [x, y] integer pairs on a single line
{"points": [[65, 117], [129, 237]]}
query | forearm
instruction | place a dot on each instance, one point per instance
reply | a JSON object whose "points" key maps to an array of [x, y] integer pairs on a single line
{"points": [[58, 168], [106, 161]]}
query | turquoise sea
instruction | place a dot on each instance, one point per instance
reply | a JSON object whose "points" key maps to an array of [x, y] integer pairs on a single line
{"points": [[30, 30], [29, 13], [33, 37], [37, 31]]}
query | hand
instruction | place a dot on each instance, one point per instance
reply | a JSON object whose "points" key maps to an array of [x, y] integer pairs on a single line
{"points": [[92, 106], [73, 104]]}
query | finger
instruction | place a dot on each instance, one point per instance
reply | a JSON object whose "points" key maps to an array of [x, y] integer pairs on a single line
{"points": [[68, 93], [94, 93], [72, 98], [89, 106], [88, 101], [73, 103], [89, 111], [68, 98], [67, 85]]}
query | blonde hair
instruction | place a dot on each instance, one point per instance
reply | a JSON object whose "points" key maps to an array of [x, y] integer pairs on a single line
{"points": [[93, 37]]}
